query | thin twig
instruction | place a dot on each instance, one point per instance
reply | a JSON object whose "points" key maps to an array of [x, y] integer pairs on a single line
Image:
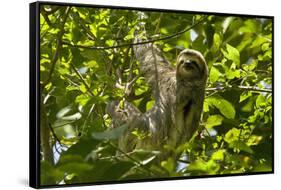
{"points": [[137, 43], [247, 88], [57, 150], [184, 161], [91, 110], [254, 88], [46, 18], [134, 160], [82, 79], [77, 19], [54, 134]]}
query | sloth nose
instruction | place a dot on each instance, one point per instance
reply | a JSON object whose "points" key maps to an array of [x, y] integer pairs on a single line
{"points": [[190, 62]]}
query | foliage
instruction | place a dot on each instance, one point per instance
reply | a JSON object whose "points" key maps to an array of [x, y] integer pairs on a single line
{"points": [[80, 74]]}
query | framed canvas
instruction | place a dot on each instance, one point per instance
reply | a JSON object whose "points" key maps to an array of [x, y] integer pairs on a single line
{"points": [[120, 94]]}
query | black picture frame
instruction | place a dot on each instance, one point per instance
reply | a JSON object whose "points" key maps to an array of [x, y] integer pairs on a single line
{"points": [[35, 94]]}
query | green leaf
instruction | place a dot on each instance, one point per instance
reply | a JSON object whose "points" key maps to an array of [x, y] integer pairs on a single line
{"points": [[254, 140], [261, 101], [245, 95], [110, 134], [232, 73], [150, 104], [82, 148], [226, 23], [198, 165], [83, 88], [78, 167], [144, 155], [232, 54], [206, 106], [250, 26], [232, 135], [140, 134], [63, 112], [92, 64], [82, 99], [49, 174], [129, 37], [265, 46], [224, 106], [88, 54], [218, 155], [117, 170], [168, 165], [209, 167], [214, 74], [213, 120], [216, 42], [65, 131], [250, 66], [240, 145]]}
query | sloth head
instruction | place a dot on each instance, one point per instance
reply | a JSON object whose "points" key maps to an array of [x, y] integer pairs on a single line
{"points": [[191, 65]]}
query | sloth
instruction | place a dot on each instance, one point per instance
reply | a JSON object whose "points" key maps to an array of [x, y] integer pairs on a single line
{"points": [[178, 94]]}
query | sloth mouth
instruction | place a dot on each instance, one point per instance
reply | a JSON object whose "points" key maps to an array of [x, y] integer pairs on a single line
{"points": [[186, 109]]}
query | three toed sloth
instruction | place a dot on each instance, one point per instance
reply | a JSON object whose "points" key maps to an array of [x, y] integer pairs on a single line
{"points": [[178, 94]]}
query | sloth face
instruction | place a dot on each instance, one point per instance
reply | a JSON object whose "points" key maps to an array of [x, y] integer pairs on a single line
{"points": [[191, 64]]}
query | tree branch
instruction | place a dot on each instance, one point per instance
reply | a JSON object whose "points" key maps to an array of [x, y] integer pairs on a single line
{"points": [[54, 134], [246, 88], [254, 88], [137, 43], [46, 145]]}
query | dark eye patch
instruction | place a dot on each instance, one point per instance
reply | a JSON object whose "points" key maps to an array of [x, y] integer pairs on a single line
{"points": [[194, 63], [181, 62], [191, 63]]}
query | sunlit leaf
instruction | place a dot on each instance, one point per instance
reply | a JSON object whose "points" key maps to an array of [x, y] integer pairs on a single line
{"points": [[240, 145], [218, 155], [216, 42], [150, 104], [232, 54], [254, 140], [244, 96], [213, 120], [214, 74], [224, 106], [261, 101], [232, 135], [168, 165]]}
